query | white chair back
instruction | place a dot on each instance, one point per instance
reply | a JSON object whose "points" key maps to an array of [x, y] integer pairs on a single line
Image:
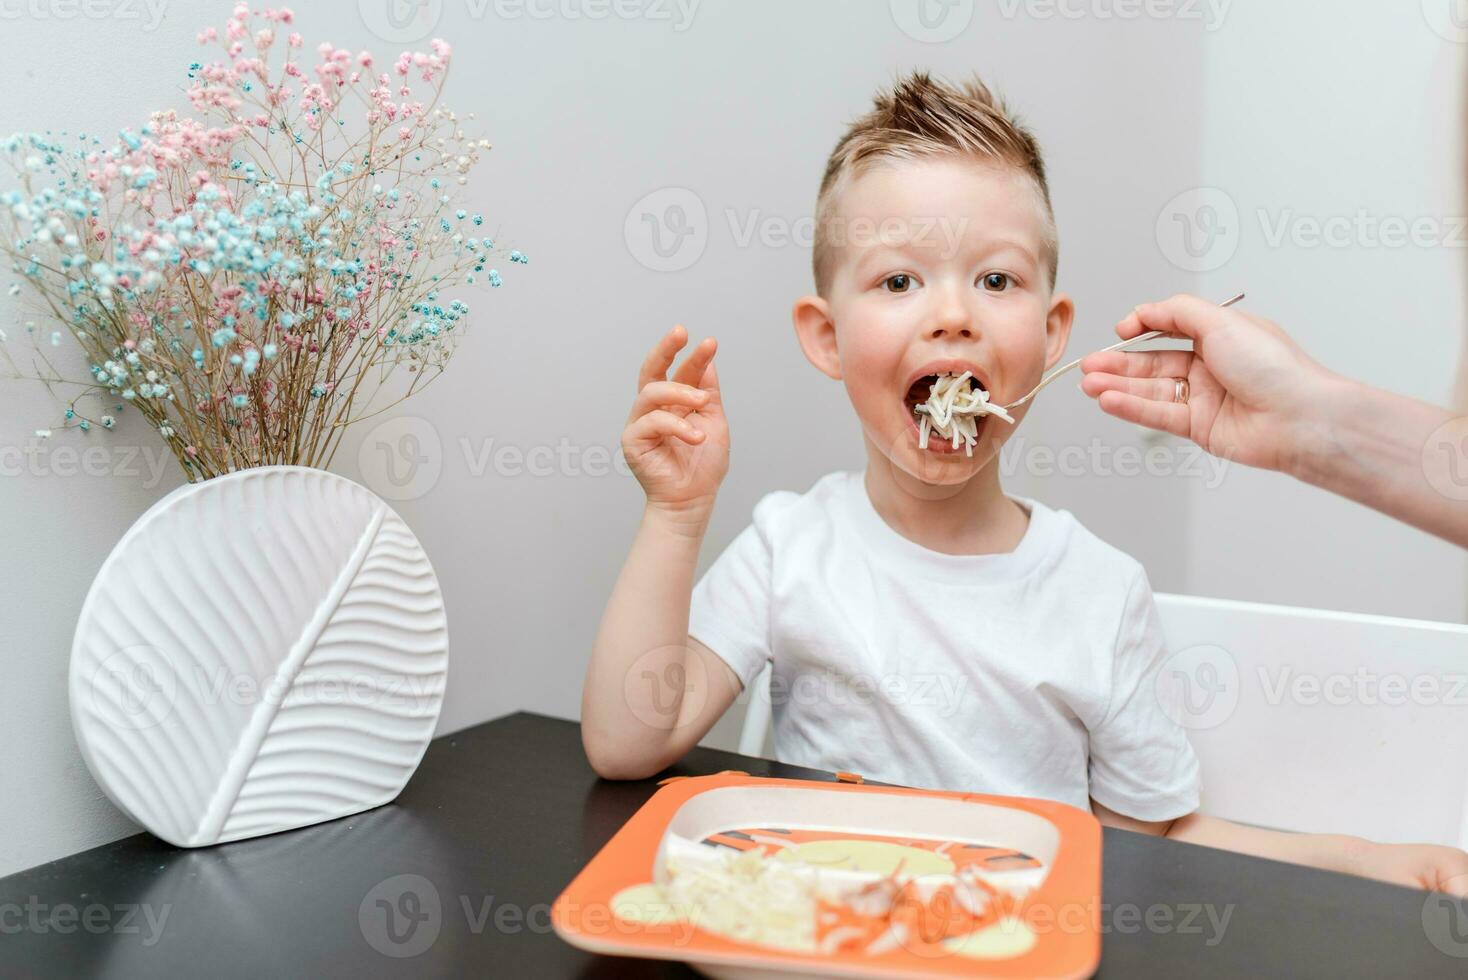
{"points": [[1324, 721], [1305, 719]]}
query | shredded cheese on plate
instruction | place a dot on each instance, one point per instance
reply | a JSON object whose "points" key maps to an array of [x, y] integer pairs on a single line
{"points": [[755, 899]]}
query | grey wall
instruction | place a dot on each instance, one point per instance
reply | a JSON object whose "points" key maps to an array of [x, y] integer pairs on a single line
{"points": [[1342, 118], [738, 109]]}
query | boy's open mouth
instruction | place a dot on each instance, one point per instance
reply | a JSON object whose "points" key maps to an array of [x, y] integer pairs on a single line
{"points": [[948, 411]]}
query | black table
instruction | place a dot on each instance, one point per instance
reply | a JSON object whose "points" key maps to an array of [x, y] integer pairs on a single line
{"points": [[500, 817]]}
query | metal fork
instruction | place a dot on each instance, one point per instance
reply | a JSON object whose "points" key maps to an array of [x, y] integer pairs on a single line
{"points": [[1139, 339]]}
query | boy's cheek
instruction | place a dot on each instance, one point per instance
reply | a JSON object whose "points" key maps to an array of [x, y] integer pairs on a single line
{"points": [[1021, 366], [869, 400]]}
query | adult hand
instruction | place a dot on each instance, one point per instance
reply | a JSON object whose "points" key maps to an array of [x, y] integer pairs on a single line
{"points": [[1252, 392], [1254, 397]]}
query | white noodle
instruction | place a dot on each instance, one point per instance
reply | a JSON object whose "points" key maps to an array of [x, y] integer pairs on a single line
{"points": [[954, 404], [748, 898], [753, 898]]}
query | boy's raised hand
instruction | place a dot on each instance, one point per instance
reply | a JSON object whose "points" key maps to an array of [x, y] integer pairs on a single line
{"points": [[677, 439]]}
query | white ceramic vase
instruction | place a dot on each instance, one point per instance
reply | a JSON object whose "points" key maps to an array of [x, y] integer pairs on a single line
{"points": [[260, 652]]}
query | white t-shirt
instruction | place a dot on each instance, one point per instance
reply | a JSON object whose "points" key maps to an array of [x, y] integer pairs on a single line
{"points": [[1030, 673]]}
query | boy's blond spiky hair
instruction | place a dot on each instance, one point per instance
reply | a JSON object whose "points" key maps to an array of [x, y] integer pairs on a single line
{"points": [[921, 117]]}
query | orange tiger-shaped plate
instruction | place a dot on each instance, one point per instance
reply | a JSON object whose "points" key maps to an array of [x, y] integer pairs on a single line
{"points": [[936, 884]]}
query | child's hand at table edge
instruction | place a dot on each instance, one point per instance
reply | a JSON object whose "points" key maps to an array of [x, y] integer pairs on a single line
{"points": [[1429, 866], [676, 441], [1432, 867]]}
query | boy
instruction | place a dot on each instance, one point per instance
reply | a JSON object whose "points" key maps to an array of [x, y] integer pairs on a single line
{"points": [[925, 628]]}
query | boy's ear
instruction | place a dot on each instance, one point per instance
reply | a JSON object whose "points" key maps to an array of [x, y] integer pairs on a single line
{"points": [[816, 332], [1057, 328]]}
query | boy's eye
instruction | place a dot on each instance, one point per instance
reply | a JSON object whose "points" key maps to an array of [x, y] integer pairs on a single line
{"points": [[996, 282], [899, 283]]}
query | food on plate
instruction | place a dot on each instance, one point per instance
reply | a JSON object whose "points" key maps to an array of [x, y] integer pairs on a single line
{"points": [[830, 892]]}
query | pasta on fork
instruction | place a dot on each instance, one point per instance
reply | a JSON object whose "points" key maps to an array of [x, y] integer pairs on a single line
{"points": [[954, 404]]}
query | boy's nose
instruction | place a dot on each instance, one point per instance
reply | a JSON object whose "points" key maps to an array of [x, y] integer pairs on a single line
{"points": [[951, 320], [941, 331]]}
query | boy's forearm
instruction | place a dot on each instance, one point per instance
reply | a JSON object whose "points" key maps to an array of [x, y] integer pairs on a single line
{"points": [[1429, 866], [1391, 453], [1331, 852], [643, 629]]}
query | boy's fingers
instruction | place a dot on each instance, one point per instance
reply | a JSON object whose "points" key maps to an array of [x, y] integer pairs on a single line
{"points": [[692, 368], [660, 424], [1139, 364], [665, 394], [660, 358], [1166, 416]]}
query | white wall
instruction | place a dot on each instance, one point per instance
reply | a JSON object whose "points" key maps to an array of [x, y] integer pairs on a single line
{"points": [[1320, 110], [740, 108]]}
